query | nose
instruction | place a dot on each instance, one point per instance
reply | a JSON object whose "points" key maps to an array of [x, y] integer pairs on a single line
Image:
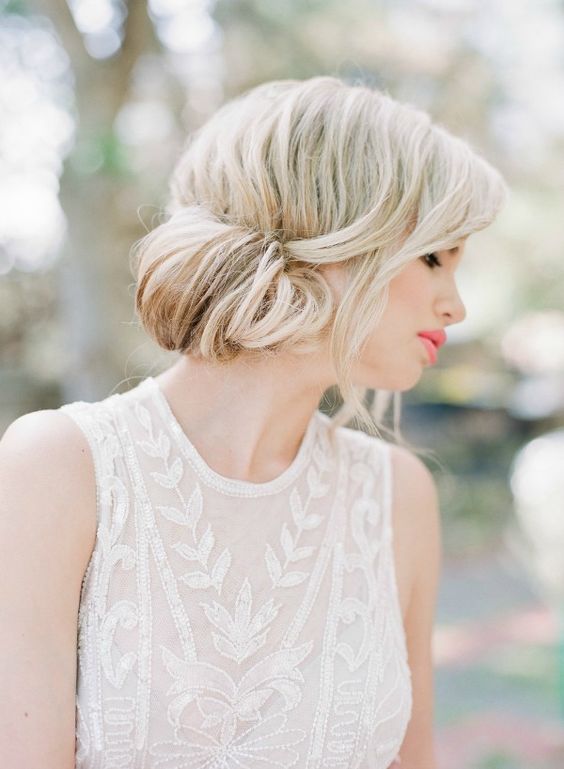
{"points": [[451, 306]]}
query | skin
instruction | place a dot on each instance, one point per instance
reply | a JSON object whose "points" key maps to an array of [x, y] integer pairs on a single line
{"points": [[266, 404], [247, 420]]}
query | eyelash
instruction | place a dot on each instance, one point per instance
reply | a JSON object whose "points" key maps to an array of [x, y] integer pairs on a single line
{"points": [[436, 261]]}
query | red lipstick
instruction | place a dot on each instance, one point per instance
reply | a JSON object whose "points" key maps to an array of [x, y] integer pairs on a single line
{"points": [[432, 340]]}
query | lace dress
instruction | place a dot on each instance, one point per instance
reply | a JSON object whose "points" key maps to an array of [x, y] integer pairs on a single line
{"points": [[236, 625]]}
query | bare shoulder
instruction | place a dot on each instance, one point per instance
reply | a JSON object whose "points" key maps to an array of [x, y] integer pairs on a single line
{"points": [[51, 425], [47, 530], [411, 473], [414, 490], [415, 520], [47, 473]]}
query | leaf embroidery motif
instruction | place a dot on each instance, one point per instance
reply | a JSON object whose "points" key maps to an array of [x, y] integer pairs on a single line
{"points": [[187, 552], [143, 416], [174, 515], [301, 552], [196, 579], [292, 578], [272, 564], [302, 522], [241, 635], [286, 541], [150, 448], [187, 515], [205, 545], [311, 521], [316, 488], [220, 569], [171, 479]]}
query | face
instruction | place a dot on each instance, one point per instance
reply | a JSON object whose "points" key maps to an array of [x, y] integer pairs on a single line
{"points": [[423, 297]]}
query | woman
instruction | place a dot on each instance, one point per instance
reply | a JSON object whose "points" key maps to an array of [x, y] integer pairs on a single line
{"points": [[253, 582]]}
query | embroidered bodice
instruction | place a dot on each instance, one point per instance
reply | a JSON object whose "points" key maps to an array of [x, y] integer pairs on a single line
{"points": [[225, 624]]}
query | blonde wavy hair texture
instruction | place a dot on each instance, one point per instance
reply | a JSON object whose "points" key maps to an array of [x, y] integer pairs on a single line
{"points": [[289, 176]]}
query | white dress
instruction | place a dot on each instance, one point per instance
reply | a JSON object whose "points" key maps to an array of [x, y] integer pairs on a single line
{"points": [[233, 625]]}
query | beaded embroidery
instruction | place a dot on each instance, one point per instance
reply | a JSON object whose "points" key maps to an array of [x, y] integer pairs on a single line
{"points": [[226, 624]]}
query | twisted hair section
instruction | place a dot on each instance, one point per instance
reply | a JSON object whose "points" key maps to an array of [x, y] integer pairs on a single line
{"points": [[215, 289]]}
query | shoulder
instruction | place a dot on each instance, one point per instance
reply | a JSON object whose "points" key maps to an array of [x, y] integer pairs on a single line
{"points": [[47, 477], [48, 441], [412, 480], [415, 500], [413, 483], [416, 523], [413, 486], [37, 426]]}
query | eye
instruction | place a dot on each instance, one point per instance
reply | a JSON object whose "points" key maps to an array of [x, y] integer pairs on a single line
{"points": [[432, 260]]}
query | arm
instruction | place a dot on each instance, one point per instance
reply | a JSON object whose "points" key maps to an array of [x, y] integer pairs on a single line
{"points": [[418, 521], [47, 496]]}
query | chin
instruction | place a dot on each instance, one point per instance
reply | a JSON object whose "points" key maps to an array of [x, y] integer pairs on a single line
{"points": [[402, 376]]}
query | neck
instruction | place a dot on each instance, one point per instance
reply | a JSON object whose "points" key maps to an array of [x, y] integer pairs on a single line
{"points": [[246, 418]]}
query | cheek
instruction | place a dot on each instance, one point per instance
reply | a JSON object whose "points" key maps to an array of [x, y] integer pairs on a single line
{"points": [[396, 325], [402, 314], [407, 289]]}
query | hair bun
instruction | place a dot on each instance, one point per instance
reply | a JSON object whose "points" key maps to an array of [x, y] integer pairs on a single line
{"points": [[210, 287]]}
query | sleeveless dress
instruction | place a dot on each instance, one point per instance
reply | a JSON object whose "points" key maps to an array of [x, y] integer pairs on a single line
{"points": [[225, 624]]}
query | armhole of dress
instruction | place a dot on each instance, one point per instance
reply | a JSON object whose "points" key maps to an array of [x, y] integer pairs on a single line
{"points": [[87, 419], [387, 501]]}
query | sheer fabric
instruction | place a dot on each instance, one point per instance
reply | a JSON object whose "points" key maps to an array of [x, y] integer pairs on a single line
{"points": [[233, 625]]}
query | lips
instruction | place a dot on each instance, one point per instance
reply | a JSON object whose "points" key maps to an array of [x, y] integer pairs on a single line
{"points": [[437, 337], [432, 340]]}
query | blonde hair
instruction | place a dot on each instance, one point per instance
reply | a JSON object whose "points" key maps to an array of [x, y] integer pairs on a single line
{"points": [[285, 178]]}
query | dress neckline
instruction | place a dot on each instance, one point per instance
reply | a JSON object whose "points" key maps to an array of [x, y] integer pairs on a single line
{"points": [[234, 486]]}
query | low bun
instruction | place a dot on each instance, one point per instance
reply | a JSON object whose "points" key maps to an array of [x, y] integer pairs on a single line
{"points": [[214, 289]]}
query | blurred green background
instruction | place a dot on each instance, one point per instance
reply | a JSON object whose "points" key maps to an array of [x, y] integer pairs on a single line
{"points": [[96, 99]]}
